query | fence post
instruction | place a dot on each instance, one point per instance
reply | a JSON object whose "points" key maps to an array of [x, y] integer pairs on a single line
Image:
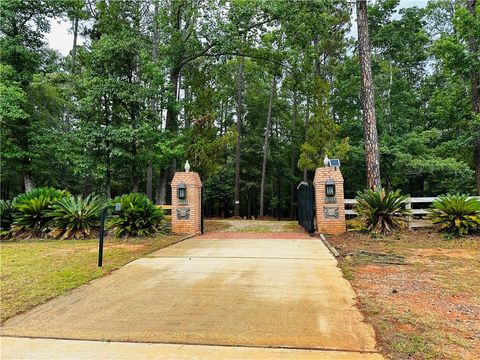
{"points": [[408, 206]]}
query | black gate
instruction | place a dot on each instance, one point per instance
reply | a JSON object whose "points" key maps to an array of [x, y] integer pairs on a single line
{"points": [[305, 206]]}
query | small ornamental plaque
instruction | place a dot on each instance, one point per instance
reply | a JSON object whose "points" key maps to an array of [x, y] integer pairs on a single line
{"points": [[330, 200], [183, 214], [331, 212]]}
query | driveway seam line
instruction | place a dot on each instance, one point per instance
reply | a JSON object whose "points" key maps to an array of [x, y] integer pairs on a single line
{"points": [[233, 257], [284, 347]]}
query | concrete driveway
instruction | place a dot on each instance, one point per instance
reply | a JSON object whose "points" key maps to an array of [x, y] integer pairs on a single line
{"points": [[237, 292]]}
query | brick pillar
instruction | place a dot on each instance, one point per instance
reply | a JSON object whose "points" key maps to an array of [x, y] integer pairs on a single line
{"points": [[330, 210], [187, 213]]}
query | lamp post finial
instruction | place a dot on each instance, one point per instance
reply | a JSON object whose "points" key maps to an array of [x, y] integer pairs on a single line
{"points": [[326, 161]]}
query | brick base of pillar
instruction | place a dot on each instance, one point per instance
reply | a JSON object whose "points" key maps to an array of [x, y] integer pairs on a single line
{"points": [[187, 213], [330, 210]]}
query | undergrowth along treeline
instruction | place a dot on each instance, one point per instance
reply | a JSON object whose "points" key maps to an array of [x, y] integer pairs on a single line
{"points": [[48, 212]]}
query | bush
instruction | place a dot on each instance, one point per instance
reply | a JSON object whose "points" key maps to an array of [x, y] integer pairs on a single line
{"points": [[75, 217], [6, 217], [138, 216], [455, 214], [381, 212], [31, 211]]}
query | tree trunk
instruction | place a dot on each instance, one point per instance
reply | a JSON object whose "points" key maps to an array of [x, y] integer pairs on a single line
{"points": [[389, 105], [185, 111], [477, 161], [72, 71], [153, 103], [249, 205], [87, 185], [108, 182], [148, 187], [221, 117], [108, 175], [236, 211], [74, 47], [372, 157], [133, 167], [475, 90], [166, 177], [265, 146], [171, 122], [27, 181], [157, 190], [155, 39], [473, 49], [307, 120], [293, 155], [279, 194], [162, 192]]}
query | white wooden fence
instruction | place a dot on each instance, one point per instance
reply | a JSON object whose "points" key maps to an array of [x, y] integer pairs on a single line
{"points": [[414, 221]]}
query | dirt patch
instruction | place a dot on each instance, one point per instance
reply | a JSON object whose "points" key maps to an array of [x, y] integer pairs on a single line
{"points": [[425, 308], [449, 253]]}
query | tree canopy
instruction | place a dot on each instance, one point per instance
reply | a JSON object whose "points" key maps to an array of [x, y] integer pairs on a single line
{"points": [[157, 82]]}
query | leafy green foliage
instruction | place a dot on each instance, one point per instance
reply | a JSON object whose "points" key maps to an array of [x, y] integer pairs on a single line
{"points": [[455, 214], [75, 217], [6, 217], [122, 111], [137, 217], [321, 136], [31, 211], [382, 213], [205, 148]]}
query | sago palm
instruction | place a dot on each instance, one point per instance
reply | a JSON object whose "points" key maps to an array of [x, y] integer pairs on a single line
{"points": [[455, 214], [31, 211], [6, 217], [382, 212], [75, 217], [138, 216]]}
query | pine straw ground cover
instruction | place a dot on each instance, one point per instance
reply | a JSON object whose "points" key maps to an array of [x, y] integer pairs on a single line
{"points": [[419, 291], [33, 271]]}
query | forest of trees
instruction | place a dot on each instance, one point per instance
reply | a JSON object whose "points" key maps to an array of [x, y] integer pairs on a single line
{"points": [[252, 93]]}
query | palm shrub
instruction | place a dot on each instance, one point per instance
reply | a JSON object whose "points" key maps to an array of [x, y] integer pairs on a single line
{"points": [[31, 211], [6, 217], [138, 216], [455, 214], [382, 212], [75, 217]]}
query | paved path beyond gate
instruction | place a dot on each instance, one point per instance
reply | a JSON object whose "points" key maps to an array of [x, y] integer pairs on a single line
{"points": [[247, 294]]}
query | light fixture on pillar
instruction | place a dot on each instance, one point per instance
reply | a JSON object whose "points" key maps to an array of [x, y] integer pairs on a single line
{"points": [[187, 166], [182, 191]]}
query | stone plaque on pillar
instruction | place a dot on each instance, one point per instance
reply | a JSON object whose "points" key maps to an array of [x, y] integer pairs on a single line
{"points": [[186, 203], [329, 200]]}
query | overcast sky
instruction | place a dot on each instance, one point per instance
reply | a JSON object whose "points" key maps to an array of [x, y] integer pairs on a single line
{"points": [[60, 38]]}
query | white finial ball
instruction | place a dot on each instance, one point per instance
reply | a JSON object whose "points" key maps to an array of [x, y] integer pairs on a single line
{"points": [[187, 166], [326, 161]]}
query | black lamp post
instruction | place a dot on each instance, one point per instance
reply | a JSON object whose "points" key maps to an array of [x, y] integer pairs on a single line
{"points": [[101, 233]]}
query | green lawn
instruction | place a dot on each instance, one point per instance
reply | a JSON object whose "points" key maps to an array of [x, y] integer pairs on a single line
{"points": [[33, 271]]}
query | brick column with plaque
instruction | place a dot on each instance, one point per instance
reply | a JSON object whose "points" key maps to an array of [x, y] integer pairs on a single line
{"points": [[329, 200], [186, 203]]}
